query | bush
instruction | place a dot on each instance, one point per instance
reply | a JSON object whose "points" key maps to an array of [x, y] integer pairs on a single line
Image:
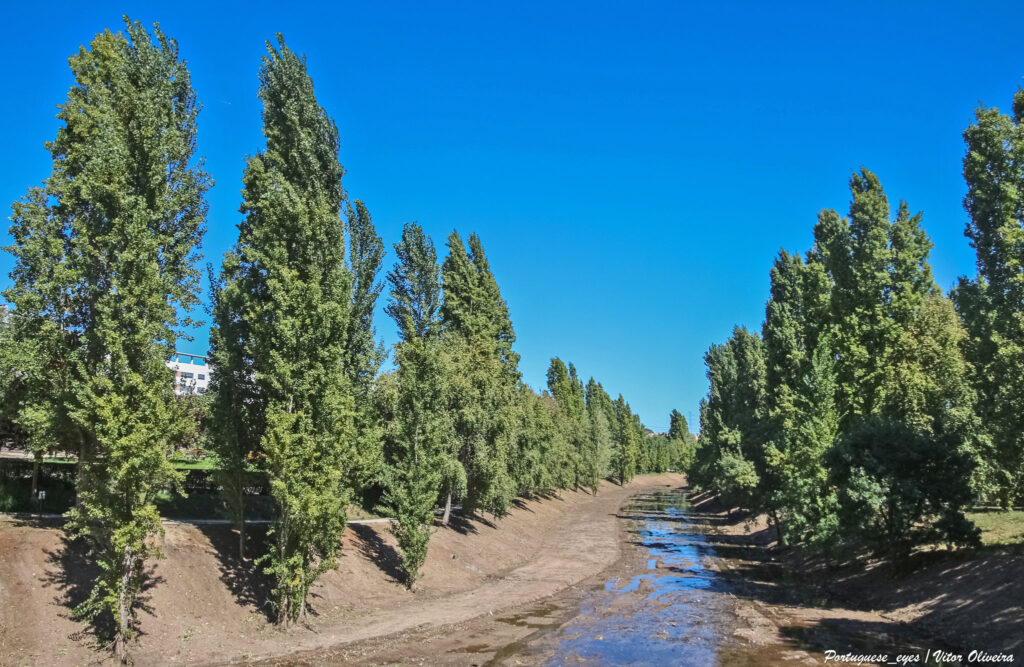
{"points": [[899, 488]]}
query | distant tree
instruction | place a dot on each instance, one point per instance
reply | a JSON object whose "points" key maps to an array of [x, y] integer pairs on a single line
{"points": [[628, 441], [601, 414], [732, 421], [682, 443], [567, 389]]}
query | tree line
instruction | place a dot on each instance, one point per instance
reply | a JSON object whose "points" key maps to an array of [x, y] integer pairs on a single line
{"points": [[872, 409], [106, 256]]}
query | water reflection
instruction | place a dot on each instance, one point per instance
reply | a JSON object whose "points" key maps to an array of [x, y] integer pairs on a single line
{"points": [[664, 615]]}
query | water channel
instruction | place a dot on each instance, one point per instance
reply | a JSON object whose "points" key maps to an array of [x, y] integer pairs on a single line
{"points": [[669, 612]]}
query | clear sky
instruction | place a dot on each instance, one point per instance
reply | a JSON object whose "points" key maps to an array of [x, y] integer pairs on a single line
{"points": [[632, 168]]}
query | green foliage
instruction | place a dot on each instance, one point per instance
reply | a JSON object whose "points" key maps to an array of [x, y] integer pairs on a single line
{"points": [[899, 488], [682, 443], [992, 306], [732, 428], [860, 349], [629, 434], [566, 388], [283, 318], [419, 449], [104, 265], [363, 353], [485, 379]]}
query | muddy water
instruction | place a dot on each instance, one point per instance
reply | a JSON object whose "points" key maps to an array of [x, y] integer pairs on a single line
{"points": [[672, 611]]}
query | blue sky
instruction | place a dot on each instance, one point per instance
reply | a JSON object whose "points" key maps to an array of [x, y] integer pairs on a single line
{"points": [[632, 168]]}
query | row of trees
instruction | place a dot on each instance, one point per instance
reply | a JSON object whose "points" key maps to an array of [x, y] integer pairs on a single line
{"points": [[872, 408], [106, 254]]}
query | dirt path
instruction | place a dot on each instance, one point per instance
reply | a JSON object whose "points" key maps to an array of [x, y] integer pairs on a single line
{"points": [[205, 607]]}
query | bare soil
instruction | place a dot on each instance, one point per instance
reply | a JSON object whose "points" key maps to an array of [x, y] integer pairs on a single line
{"points": [[204, 606], [777, 606], [796, 606], [505, 592]]}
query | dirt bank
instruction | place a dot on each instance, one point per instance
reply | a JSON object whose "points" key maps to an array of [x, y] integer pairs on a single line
{"points": [[203, 607], [953, 601], [770, 606]]}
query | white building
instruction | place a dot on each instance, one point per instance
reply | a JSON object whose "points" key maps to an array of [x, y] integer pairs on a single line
{"points": [[191, 373]]}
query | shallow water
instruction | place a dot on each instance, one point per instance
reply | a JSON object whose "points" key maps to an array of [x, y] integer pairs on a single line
{"points": [[669, 614]]}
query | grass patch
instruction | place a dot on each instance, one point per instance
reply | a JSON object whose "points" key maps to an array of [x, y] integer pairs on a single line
{"points": [[999, 527], [201, 464]]}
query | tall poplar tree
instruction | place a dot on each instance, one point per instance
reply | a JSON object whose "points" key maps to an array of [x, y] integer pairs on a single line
{"points": [[363, 353], [682, 443], [899, 370], [104, 264], [485, 380], [286, 278], [802, 420], [421, 457], [731, 420], [992, 306], [567, 389], [626, 455]]}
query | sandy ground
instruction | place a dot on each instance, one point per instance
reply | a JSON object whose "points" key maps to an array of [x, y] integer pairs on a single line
{"points": [[203, 606]]}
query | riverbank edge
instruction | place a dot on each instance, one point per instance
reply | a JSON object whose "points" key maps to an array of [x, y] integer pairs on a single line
{"points": [[202, 614], [961, 600]]}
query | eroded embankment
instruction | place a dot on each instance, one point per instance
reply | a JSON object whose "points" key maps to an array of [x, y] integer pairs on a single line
{"points": [[204, 606], [699, 585], [952, 601]]}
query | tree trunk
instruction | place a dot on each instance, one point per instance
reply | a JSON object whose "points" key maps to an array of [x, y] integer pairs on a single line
{"points": [[81, 471], [241, 518], [35, 475], [778, 529], [447, 509], [124, 608]]}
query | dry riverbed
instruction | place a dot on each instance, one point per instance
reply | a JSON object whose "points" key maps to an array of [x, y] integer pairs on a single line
{"points": [[643, 570]]}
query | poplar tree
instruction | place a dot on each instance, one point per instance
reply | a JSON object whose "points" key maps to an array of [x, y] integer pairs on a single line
{"points": [[682, 443], [286, 278], [484, 383], [104, 265], [899, 371], [992, 306], [363, 353], [421, 457], [601, 415], [237, 415], [37, 347], [626, 456], [800, 402], [732, 420], [366, 250], [567, 389]]}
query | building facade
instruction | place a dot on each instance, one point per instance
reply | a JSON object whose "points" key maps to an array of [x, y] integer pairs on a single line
{"points": [[191, 373]]}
